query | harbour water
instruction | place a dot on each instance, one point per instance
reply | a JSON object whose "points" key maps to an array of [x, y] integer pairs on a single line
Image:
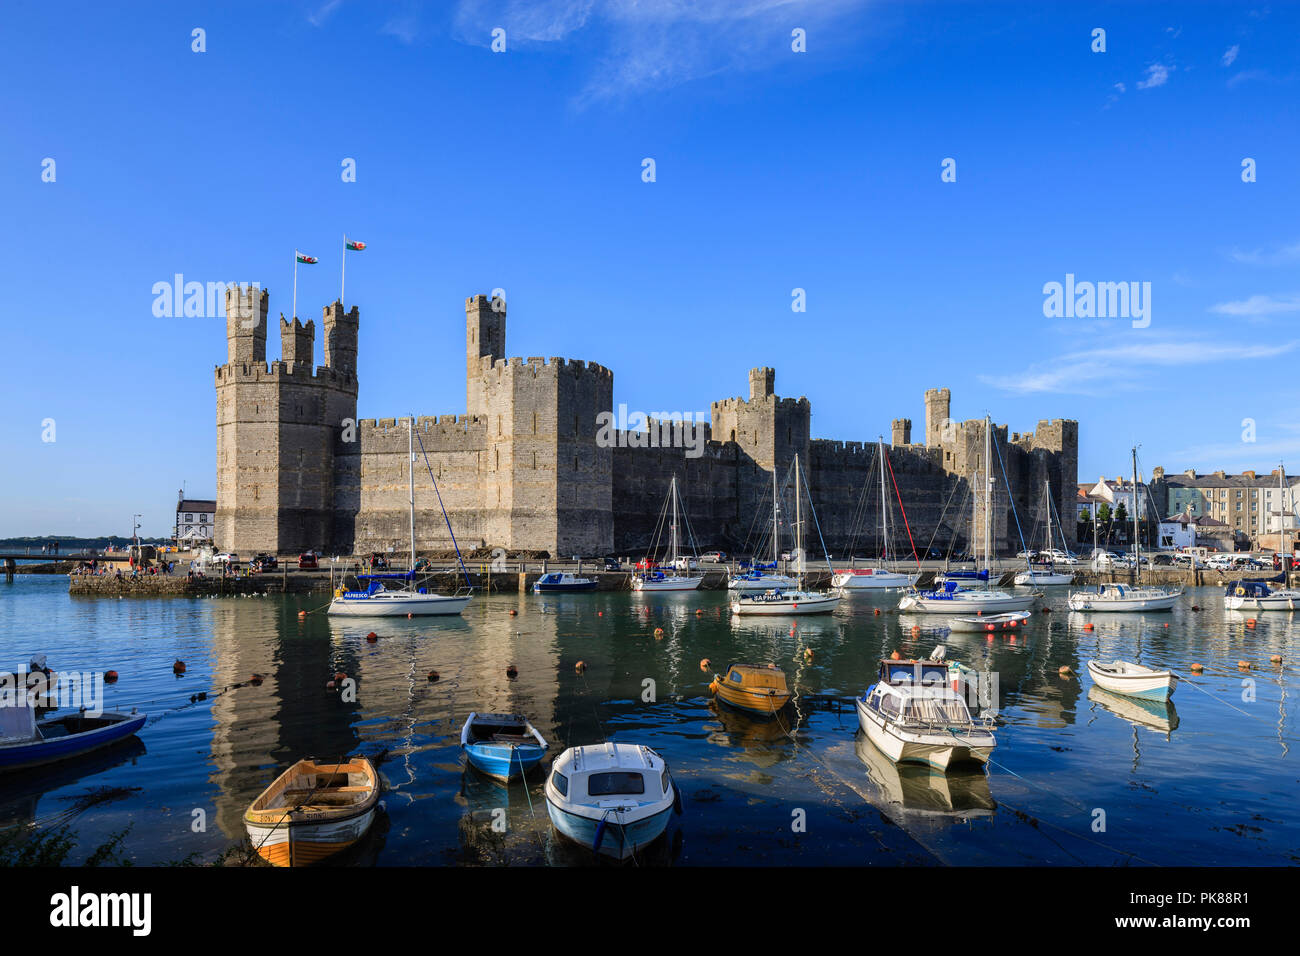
{"points": [[1078, 776]]}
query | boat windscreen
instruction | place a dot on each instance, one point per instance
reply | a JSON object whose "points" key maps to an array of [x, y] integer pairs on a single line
{"points": [[936, 710], [615, 783]]}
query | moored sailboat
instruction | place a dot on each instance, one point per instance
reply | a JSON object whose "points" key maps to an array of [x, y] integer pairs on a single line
{"points": [[861, 579], [651, 577]]}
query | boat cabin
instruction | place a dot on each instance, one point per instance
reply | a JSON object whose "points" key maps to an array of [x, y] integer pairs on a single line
{"points": [[757, 677], [611, 775]]}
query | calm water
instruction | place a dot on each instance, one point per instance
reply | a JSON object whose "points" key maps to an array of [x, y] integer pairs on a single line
{"points": [[1213, 782]]}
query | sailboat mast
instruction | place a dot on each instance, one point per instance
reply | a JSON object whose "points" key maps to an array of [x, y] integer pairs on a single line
{"points": [[988, 493], [776, 527], [674, 490], [798, 529], [884, 530], [1137, 543], [410, 474]]}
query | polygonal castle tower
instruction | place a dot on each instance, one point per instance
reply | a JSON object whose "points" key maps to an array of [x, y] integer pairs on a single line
{"points": [[281, 427]]}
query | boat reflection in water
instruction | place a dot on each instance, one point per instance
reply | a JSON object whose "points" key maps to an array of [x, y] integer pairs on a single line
{"points": [[922, 789], [23, 792], [1156, 714], [762, 742]]}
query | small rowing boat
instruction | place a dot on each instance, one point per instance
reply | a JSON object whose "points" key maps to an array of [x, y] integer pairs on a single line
{"points": [[503, 746], [988, 622], [1132, 680], [26, 742], [313, 810]]}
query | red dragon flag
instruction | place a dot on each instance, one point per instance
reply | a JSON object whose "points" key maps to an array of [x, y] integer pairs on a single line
{"points": [[355, 245], [310, 260]]}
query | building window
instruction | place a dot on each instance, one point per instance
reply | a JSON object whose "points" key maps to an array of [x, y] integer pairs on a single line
{"points": [[189, 517]]}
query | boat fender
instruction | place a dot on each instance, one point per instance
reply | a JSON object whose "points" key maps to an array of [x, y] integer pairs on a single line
{"points": [[705, 663], [110, 677], [338, 593], [713, 686], [600, 836], [677, 798]]}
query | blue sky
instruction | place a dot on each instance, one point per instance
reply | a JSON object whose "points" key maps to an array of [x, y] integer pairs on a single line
{"points": [[775, 170]]}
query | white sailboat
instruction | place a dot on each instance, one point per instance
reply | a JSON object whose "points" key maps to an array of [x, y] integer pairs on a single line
{"points": [[378, 601], [1115, 597], [651, 578], [759, 579], [1048, 574], [950, 598], [787, 601], [1256, 595], [863, 579]]}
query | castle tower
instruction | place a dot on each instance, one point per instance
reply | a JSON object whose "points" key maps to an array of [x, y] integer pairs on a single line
{"points": [[762, 383], [485, 338], [297, 341], [938, 409], [245, 324], [902, 432], [341, 338]]}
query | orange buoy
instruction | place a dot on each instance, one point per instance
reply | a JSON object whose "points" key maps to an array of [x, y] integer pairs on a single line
{"points": [[895, 656], [513, 612], [580, 666], [1197, 668], [339, 675], [433, 676], [659, 632], [1244, 665], [1087, 626], [512, 671], [1196, 607], [808, 653], [409, 615], [372, 636], [705, 663], [1166, 623], [916, 628], [699, 612], [990, 627], [1275, 659], [876, 612], [178, 667], [600, 614], [1012, 623], [301, 615], [1063, 670], [1250, 622], [256, 679], [979, 613], [1045, 610], [110, 677]]}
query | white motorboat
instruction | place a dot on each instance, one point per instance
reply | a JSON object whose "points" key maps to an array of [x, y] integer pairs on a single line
{"points": [[1038, 576], [866, 579], [648, 576], [956, 601], [914, 716], [375, 600], [1124, 597], [1258, 596], [988, 622], [1115, 597], [781, 601], [1132, 680], [614, 798], [863, 579]]}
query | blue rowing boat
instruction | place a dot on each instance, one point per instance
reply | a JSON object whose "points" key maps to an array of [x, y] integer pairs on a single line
{"points": [[26, 742], [503, 746]]}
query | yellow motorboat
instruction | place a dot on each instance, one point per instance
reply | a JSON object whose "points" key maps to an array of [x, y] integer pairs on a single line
{"points": [[754, 688]]}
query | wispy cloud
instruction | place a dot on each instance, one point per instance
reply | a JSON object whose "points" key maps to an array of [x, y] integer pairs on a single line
{"points": [[1157, 75], [1246, 76], [652, 45], [1268, 257], [1098, 371], [323, 12], [1258, 306], [1230, 56]]}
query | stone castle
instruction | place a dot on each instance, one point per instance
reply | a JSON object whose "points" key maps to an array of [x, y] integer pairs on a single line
{"points": [[523, 469]]}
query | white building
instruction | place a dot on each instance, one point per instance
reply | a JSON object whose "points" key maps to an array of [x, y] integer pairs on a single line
{"points": [[196, 520]]}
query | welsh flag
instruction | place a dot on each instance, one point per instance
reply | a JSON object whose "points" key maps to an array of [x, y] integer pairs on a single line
{"points": [[310, 260], [357, 246]]}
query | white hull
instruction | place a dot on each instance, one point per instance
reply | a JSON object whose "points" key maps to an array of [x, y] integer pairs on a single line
{"points": [[1030, 578], [399, 604], [1132, 680], [1277, 601], [871, 579], [793, 602], [967, 602], [667, 583], [342, 833], [1133, 599], [764, 583], [936, 750]]}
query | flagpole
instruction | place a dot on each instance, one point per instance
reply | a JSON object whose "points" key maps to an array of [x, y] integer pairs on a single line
{"points": [[344, 272], [295, 283]]}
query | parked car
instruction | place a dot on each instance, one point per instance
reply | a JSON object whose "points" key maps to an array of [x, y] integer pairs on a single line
{"points": [[716, 557], [1026, 555], [308, 561], [264, 562], [1056, 556], [685, 563], [226, 557], [611, 564]]}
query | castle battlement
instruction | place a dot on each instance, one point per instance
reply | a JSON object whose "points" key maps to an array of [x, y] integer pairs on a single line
{"points": [[298, 373], [545, 367]]}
